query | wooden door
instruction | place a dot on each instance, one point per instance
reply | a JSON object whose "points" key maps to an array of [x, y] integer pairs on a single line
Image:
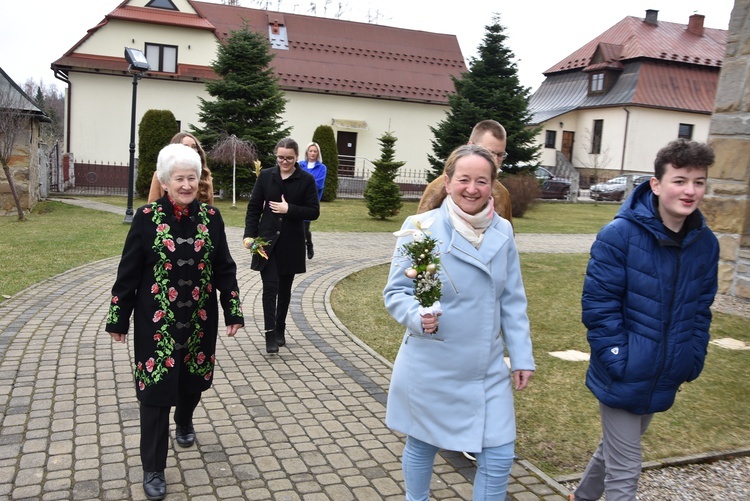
{"points": [[567, 144]]}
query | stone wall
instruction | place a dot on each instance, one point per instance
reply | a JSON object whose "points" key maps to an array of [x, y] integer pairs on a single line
{"points": [[24, 169], [727, 204]]}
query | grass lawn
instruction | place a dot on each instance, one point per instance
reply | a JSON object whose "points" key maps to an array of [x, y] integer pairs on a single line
{"points": [[558, 419]]}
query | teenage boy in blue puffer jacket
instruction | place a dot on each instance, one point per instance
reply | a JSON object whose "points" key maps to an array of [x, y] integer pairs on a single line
{"points": [[646, 304]]}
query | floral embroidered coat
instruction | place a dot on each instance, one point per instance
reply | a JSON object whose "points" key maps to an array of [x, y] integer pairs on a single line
{"points": [[169, 276]]}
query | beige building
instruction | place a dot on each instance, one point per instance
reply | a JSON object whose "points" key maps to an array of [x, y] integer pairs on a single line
{"points": [[362, 79], [613, 103]]}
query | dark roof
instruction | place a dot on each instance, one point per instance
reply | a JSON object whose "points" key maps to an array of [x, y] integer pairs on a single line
{"points": [[662, 41], [324, 55], [644, 84], [18, 97], [661, 66]]}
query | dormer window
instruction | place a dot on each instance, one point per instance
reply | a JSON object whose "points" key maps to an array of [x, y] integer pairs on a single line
{"points": [[162, 4], [596, 83]]}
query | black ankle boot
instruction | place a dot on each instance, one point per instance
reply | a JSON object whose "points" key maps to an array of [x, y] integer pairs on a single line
{"points": [[280, 338], [271, 345]]}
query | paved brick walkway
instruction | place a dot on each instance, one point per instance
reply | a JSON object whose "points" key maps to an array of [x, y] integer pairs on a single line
{"points": [[307, 424]]}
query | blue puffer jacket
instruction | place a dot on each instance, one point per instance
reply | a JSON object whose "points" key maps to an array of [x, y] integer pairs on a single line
{"points": [[646, 304]]}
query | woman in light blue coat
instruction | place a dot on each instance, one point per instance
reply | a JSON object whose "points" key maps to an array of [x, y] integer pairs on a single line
{"points": [[451, 388]]}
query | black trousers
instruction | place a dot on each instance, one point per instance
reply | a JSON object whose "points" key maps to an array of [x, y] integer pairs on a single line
{"points": [[277, 293], [155, 429]]}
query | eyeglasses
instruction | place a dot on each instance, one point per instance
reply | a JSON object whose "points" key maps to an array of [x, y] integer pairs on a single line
{"points": [[500, 155], [285, 159]]}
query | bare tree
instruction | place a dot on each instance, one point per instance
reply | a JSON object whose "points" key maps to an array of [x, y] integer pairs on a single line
{"points": [[51, 101], [596, 158], [14, 121], [233, 149]]}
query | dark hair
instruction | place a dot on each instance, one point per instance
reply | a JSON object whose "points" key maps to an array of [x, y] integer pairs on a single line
{"points": [[682, 153], [465, 151], [491, 126], [290, 143]]}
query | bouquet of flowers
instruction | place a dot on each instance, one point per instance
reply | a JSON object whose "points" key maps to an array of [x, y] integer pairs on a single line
{"points": [[424, 266], [256, 246]]}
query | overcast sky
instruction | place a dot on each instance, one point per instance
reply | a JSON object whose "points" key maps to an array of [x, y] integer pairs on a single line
{"points": [[540, 32]]}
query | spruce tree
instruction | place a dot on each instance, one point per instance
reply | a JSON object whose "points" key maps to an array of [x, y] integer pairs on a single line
{"points": [[156, 129], [382, 194], [325, 138], [490, 90], [247, 103]]}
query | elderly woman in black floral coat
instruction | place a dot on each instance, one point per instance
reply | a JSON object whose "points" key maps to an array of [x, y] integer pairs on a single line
{"points": [[174, 261]]}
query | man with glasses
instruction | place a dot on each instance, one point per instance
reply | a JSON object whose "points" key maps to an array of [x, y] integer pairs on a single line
{"points": [[490, 135]]}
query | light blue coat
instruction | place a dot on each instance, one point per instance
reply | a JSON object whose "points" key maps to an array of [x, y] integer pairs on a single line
{"points": [[453, 389]]}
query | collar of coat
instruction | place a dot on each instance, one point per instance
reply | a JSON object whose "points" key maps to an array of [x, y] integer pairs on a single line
{"points": [[497, 235]]}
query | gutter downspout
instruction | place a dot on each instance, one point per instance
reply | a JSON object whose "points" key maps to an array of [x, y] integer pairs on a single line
{"points": [[624, 139], [64, 78]]}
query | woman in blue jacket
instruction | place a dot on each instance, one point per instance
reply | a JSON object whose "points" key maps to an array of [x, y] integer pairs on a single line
{"points": [[313, 164], [451, 388], [646, 304]]}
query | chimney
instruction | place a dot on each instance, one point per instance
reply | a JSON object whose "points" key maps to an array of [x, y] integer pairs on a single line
{"points": [[695, 26], [651, 17]]}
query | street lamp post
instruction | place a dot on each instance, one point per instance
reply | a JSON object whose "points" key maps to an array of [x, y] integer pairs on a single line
{"points": [[137, 66]]}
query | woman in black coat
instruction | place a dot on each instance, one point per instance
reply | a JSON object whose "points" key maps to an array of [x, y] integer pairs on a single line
{"points": [[174, 261], [284, 197]]}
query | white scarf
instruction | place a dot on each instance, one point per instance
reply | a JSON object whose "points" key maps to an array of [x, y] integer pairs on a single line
{"points": [[470, 226]]}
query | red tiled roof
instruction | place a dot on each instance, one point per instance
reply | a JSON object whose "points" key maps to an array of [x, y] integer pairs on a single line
{"points": [[345, 57], [663, 41], [160, 16], [324, 55], [676, 87]]}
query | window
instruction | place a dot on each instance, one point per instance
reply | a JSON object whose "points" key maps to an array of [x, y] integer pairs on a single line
{"points": [[596, 137], [685, 132], [162, 57], [162, 4], [596, 83], [550, 138]]}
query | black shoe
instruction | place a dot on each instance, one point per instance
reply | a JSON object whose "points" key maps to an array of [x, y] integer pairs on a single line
{"points": [[185, 435], [310, 251], [154, 484], [280, 338], [271, 345]]}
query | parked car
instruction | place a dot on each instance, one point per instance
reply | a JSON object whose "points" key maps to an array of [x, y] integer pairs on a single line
{"points": [[639, 179], [552, 187], [614, 189]]}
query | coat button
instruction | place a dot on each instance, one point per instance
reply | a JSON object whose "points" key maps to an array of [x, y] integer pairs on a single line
{"points": [[278, 233]]}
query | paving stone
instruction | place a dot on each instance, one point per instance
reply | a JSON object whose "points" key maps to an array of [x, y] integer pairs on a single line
{"points": [[301, 425]]}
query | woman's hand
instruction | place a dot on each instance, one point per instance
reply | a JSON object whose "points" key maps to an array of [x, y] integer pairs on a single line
{"points": [[232, 329], [430, 323], [122, 338], [521, 379], [279, 207]]}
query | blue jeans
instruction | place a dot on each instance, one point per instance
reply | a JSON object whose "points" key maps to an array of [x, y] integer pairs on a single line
{"points": [[490, 484]]}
